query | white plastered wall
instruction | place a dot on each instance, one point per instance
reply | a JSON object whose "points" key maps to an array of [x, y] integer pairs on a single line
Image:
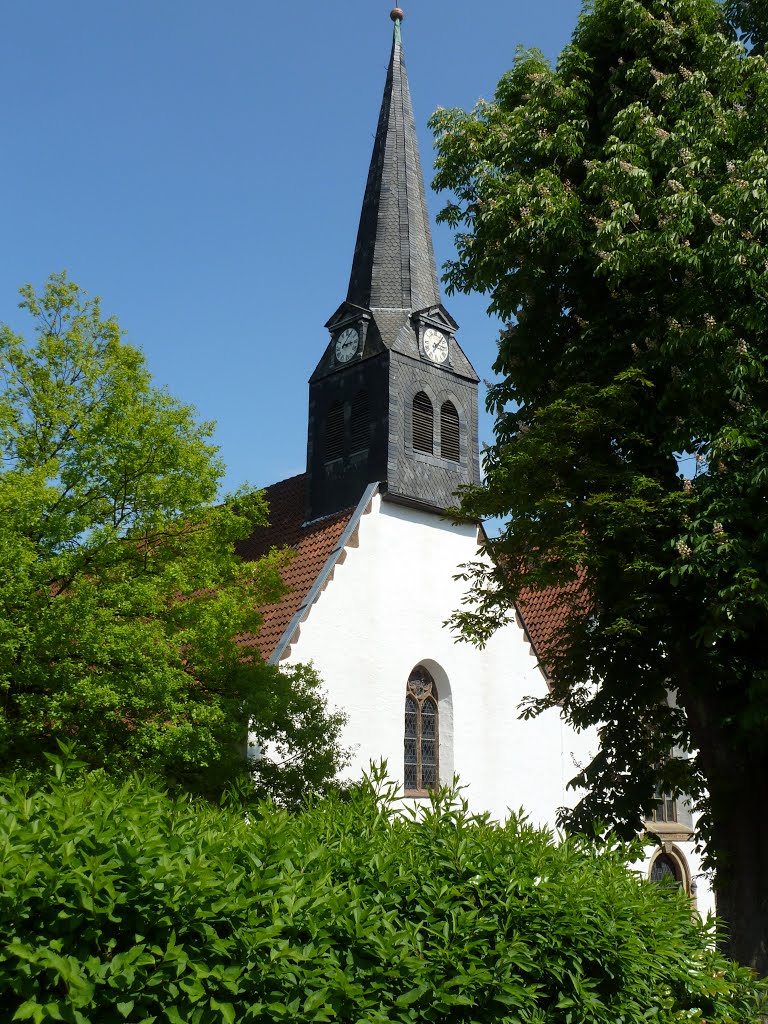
{"points": [[382, 613]]}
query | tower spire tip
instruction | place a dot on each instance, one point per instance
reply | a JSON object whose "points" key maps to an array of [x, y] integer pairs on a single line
{"points": [[397, 14]]}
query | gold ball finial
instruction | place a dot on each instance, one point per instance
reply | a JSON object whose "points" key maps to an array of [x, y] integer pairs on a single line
{"points": [[397, 14]]}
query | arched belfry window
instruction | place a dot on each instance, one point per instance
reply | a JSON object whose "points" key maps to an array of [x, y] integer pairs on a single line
{"points": [[423, 424], [334, 432], [449, 432], [422, 743], [360, 427]]}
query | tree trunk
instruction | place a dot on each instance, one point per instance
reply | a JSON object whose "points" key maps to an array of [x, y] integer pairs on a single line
{"points": [[735, 770], [740, 841]]}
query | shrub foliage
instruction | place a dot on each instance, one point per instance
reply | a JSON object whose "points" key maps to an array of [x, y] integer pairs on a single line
{"points": [[121, 903]]}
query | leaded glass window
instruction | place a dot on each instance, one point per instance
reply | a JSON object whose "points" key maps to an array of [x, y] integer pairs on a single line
{"points": [[664, 869], [421, 745]]}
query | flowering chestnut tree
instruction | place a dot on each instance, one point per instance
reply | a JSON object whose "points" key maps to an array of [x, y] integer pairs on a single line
{"points": [[615, 210]]}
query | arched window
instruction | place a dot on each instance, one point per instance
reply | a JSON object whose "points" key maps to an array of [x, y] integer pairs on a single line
{"points": [[449, 432], [422, 745], [360, 423], [423, 424], [334, 432], [667, 869]]}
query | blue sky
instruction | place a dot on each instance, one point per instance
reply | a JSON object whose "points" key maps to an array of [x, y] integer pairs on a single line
{"points": [[201, 166]]}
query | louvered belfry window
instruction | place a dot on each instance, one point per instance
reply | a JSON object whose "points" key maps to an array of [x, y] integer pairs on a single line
{"points": [[423, 424], [360, 434], [421, 744], [334, 432], [449, 432]]}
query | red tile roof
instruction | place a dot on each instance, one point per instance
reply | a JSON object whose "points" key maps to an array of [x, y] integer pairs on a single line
{"points": [[545, 613], [313, 545]]}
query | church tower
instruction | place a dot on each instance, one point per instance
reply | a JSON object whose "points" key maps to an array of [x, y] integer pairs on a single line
{"points": [[393, 398]]}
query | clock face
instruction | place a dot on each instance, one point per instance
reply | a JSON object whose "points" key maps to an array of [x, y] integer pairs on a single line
{"points": [[346, 344], [435, 345]]}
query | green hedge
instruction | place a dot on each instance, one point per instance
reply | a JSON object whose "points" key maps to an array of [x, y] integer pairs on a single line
{"points": [[120, 903]]}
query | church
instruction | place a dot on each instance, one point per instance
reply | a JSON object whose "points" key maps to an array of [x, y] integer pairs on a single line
{"points": [[392, 435]]}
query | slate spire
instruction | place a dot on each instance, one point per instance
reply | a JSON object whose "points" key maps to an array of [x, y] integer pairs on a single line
{"points": [[394, 262], [393, 398]]}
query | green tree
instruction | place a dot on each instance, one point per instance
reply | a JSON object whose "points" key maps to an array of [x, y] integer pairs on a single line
{"points": [[615, 208], [750, 18], [121, 595]]}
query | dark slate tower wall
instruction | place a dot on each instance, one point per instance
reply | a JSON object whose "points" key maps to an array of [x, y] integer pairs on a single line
{"points": [[416, 476], [337, 484], [393, 303]]}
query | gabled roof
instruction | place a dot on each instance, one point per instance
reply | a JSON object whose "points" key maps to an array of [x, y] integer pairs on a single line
{"points": [[314, 545], [394, 261], [318, 545]]}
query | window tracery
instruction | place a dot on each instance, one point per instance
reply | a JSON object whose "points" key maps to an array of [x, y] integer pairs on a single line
{"points": [[665, 869], [422, 735]]}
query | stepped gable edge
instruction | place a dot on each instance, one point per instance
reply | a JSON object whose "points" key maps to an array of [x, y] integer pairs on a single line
{"points": [[313, 544], [543, 613]]}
